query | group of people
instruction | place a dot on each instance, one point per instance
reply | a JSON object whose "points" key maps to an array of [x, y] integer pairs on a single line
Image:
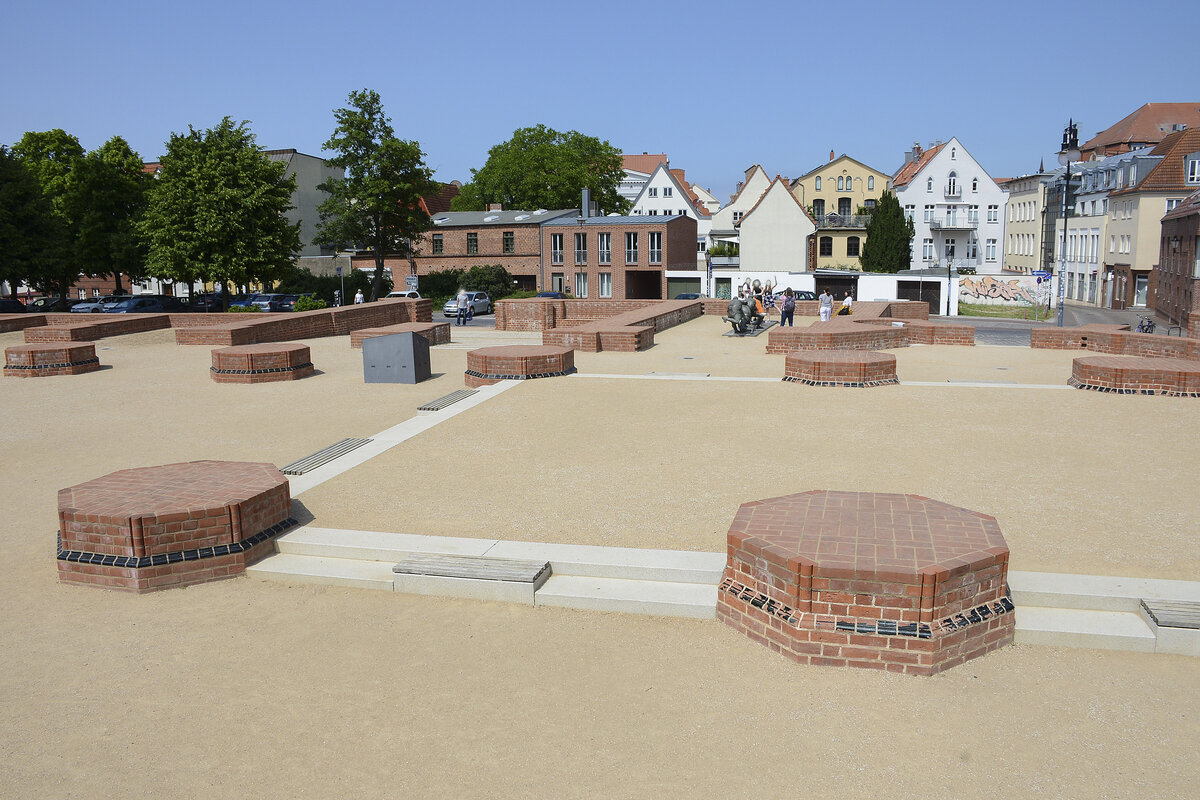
{"points": [[826, 305]]}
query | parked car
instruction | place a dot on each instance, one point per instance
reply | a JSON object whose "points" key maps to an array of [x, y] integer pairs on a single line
{"points": [[688, 296], [289, 301], [269, 302], [804, 295], [147, 304], [10, 306], [412, 294], [206, 302], [479, 302], [96, 305], [555, 295], [43, 305]]}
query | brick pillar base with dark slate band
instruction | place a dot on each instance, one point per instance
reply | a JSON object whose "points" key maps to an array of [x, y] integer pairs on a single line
{"points": [[880, 581]]}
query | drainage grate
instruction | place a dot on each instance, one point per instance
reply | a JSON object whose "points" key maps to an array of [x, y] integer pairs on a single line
{"points": [[448, 400], [1173, 613], [321, 457]]}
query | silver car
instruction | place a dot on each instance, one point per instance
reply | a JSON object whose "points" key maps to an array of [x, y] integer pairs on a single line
{"points": [[478, 302]]}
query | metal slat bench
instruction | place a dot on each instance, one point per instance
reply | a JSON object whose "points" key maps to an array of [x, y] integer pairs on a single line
{"points": [[1173, 613], [475, 577]]}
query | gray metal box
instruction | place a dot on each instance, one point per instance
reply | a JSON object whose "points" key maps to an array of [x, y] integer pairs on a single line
{"points": [[396, 358]]}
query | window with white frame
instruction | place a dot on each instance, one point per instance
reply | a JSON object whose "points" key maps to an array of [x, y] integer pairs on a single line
{"points": [[1193, 168], [1112, 243], [910, 211], [653, 191], [654, 240], [974, 184], [841, 187], [581, 248], [668, 191], [604, 247], [973, 250], [929, 213], [556, 248], [972, 213], [631, 248], [605, 284], [817, 184], [953, 153], [993, 214], [989, 252], [929, 184], [927, 250], [701, 246], [952, 184], [737, 216], [870, 183], [1171, 203], [581, 284]]}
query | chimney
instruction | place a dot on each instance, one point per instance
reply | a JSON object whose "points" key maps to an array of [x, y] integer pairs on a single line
{"points": [[913, 154], [495, 206], [585, 203], [831, 155]]}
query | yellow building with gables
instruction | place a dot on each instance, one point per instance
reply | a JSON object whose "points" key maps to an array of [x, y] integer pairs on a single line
{"points": [[835, 193]]}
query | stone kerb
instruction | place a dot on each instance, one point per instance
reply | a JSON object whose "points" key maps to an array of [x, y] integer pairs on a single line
{"points": [[261, 363], [488, 365], [41, 360], [856, 368], [433, 332], [174, 525], [1137, 375], [881, 581]]}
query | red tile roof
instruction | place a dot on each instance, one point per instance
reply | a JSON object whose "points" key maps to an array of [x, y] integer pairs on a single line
{"points": [[1187, 208], [910, 170], [646, 162], [1170, 173], [692, 197], [1148, 125], [440, 202]]}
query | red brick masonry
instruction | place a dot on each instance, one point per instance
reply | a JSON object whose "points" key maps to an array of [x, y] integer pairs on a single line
{"points": [[881, 581], [1115, 340], [489, 365], [434, 332], [39, 360], [175, 525], [261, 363], [1137, 375], [840, 368]]}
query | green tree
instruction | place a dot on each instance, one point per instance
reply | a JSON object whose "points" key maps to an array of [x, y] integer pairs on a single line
{"points": [[889, 237], [50, 157], [542, 168], [27, 222], [105, 196], [377, 205], [216, 211]]}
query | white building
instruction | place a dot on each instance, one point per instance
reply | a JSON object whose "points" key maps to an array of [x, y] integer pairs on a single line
{"points": [[775, 234], [724, 222], [956, 208], [666, 193], [638, 169]]}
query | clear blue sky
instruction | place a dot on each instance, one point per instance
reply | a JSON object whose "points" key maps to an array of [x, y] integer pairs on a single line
{"points": [[717, 86]]}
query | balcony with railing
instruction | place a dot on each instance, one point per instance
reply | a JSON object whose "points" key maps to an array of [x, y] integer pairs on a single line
{"points": [[843, 221], [953, 222], [953, 189]]}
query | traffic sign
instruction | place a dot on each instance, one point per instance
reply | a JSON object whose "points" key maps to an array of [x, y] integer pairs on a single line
{"points": [[339, 271], [1041, 273], [410, 282]]}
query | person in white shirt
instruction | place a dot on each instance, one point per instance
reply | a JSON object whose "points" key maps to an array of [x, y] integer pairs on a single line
{"points": [[826, 305]]}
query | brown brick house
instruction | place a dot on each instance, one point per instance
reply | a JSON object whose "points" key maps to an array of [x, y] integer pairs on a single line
{"points": [[1177, 274], [616, 257]]}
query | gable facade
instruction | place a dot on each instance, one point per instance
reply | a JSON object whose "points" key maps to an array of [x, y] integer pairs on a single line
{"points": [[776, 233]]}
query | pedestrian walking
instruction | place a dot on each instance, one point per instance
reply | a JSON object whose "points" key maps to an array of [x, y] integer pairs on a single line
{"points": [[826, 305]]}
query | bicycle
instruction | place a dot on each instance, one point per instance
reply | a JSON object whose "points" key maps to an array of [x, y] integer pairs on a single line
{"points": [[1146, 325]]}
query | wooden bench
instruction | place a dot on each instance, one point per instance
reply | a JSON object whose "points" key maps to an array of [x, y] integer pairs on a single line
{"points": [[475, 577]]}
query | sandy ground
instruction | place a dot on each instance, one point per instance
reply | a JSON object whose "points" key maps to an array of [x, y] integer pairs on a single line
{"points": [[243, 688]]}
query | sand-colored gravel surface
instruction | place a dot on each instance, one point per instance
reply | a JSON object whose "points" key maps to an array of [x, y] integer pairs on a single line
{"points": [[244, 688]]}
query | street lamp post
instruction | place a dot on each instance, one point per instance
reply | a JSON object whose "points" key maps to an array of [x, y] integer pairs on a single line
{"points": [[1068, 153]]}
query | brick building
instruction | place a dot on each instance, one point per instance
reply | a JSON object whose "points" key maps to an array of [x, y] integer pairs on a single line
{"points": [[616, 257], [465, 239], [1176, 294]]}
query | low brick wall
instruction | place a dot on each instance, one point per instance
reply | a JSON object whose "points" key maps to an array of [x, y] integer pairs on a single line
{"points": [[489, 365], [18, 322], [90, 327], [626, 332], [1137, 375], [180, 524], [41, 360], [840, 368], [434, 332], [261, 363], [283, 327], [1116, 340]]}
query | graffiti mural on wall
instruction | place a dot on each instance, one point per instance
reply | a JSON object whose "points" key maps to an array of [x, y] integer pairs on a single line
{"points": [[988, 290]]}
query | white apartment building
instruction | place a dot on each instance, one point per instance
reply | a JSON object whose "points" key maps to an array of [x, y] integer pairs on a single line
{"points": [[956, 208], [666, 193]]}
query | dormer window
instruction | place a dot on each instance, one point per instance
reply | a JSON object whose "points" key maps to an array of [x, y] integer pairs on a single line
{"points": [[1193, 168]]}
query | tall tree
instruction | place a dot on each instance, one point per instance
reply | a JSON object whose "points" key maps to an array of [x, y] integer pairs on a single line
{"points": [[542, 168], [378, 204], [105, 196], [27, 223], [889, 237], [216, 211], [50, 156]]}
